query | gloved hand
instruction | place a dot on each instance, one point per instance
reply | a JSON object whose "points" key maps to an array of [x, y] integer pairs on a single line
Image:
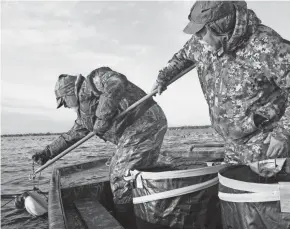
{"points": [[269, 167], [41, 156], [160, 87], [277, 146]]}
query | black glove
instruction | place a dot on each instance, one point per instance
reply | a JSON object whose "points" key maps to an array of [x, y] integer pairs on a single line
{"points": [[41, 156]]}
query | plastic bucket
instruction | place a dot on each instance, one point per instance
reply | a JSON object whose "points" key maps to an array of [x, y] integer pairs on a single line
{"points": [[250, 201], [187, 198]]}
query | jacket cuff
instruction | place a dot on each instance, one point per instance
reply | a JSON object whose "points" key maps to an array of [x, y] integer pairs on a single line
{"points": [[101, 127], [57, 146], [47, 152], [163, 77]]}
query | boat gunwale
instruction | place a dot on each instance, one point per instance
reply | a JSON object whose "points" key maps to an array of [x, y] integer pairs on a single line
{"points": [[55, 206], [56, 212]]}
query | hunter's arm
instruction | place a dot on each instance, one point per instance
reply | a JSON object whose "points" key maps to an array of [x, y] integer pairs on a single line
{"points": [[181, 60], [64, 141]]}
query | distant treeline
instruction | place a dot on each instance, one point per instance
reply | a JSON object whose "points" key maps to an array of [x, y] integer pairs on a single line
{"points": [[189, 127], [29, 134], [48, 133]]}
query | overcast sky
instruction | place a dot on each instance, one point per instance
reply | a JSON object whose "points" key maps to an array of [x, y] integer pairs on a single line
{"points": [[41, 40]]}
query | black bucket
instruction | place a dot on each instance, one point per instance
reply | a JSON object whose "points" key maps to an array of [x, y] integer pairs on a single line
{"points": [[177, 199], [250, 201]]}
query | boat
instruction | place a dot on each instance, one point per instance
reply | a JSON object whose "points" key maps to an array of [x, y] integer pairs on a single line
{"points": [[80, 197]]}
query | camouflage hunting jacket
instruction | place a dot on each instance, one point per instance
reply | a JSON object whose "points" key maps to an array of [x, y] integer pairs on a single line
{"points": [[102, 96], [247, 86]]}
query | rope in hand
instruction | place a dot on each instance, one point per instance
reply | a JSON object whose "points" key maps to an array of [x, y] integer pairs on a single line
{"points": [[32, 177]]}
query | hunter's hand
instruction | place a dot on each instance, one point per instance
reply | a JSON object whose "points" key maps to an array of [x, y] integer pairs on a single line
{"points": [[40, 156], [160, 88], [276, 147], [101, 127]]}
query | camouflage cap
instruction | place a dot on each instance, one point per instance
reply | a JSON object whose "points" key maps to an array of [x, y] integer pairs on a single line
{"points": [[204, 12], [65, 85]]}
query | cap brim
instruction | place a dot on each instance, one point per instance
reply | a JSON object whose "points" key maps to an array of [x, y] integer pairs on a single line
{"points": [[193, 27], [59, 102]]}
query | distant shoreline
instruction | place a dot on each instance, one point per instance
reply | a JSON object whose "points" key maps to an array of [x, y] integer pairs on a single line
{"points": [[48, 133], [29, 134]]}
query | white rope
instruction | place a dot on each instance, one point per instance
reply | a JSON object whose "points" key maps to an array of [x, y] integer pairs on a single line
{"points": [[175, 173], [176, 192], [258, 192], [250, 197], [247, 186]]}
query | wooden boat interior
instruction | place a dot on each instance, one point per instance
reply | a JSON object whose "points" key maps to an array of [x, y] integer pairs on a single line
{"points": [[80, 197]]}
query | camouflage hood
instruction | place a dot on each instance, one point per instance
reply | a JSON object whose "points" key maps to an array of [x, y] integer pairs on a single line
{"points": [[246, 24]]}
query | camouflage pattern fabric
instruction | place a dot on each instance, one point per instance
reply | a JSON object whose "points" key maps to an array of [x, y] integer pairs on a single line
{"points": [[138, 135], [247, 81], [138, 148]]}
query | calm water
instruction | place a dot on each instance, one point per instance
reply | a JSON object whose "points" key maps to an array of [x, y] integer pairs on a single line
{"points": [[16, 165]]}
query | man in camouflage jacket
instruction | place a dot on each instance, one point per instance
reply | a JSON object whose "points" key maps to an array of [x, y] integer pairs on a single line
{"points": [[244, 71], [97, 99]]}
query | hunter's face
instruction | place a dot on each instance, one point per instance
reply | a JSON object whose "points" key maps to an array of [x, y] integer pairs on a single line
{"points": [[210, 37], [70, 101]]}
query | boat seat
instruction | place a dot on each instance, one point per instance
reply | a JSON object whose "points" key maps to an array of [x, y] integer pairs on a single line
{"points": [[95, 216]]}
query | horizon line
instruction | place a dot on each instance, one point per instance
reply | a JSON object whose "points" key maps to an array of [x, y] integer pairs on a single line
{"points": [[55, 133]]}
